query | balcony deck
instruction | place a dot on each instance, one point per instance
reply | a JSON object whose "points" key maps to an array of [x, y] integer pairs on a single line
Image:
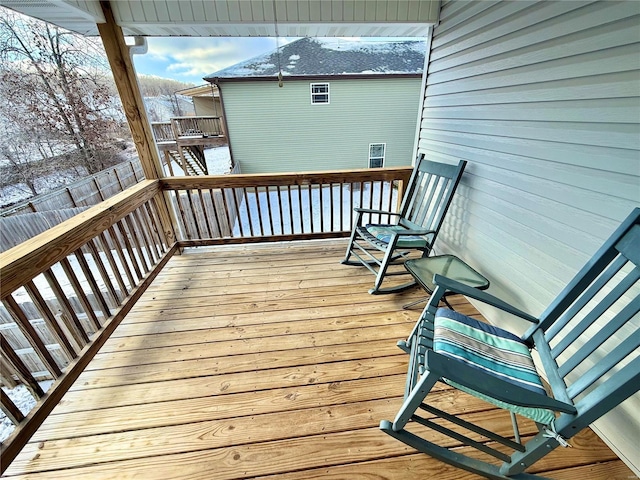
{"points": [[258, 361]]}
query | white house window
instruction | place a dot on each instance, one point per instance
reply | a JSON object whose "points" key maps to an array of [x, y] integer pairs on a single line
{"points": [[376, 155], [319, 93]]}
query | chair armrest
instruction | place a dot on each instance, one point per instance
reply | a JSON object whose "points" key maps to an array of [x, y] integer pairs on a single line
{"points": [[370, 210], [490, 385], [414, 232], [461, 288]]}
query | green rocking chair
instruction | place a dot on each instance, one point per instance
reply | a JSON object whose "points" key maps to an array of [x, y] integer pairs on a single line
{"points": [[429, 193], [587, 341]]}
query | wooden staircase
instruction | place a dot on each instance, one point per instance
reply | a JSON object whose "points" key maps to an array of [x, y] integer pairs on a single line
{"points": [[190, 158]]}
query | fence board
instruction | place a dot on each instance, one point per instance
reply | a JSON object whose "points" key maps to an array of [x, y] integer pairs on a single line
{"points": [[87, 191]]}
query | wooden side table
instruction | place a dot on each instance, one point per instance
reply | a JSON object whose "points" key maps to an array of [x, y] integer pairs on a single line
{"points": [[423, 270]]}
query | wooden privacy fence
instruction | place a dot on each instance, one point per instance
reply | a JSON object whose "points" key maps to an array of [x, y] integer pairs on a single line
{"points": [[86, 192], [19, 228], [65, 290]]}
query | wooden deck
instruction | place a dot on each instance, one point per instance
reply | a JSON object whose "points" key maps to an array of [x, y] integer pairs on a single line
{"points": [[259, 361]]}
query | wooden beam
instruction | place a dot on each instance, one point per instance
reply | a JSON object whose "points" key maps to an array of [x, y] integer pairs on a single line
{"points": [[9, 408], [124, 75], [126, 80]]}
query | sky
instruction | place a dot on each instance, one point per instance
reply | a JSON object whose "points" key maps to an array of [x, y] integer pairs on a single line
{"points": [[189, 59]]}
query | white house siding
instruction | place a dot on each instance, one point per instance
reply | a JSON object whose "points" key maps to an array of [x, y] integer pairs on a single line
{"points": [[206, 106], [274, 129], [542, 99]]}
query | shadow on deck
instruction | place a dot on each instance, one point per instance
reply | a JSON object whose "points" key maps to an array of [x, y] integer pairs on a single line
{"points": [[259, 361]]}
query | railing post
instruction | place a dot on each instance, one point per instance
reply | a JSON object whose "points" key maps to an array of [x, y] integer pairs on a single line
{"points": [[128, 88], [124, 75]]}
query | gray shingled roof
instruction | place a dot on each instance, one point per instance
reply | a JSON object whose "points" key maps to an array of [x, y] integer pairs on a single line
{"points": [[319, 57]]}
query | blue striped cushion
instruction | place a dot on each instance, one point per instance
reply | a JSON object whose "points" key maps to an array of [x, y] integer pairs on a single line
{"points": [[384, 232], [490, 349]]}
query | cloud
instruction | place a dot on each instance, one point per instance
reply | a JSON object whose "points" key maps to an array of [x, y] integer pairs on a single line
{"points": [[189, 58]]}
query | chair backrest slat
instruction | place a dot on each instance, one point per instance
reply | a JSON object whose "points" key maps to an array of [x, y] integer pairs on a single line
{"points": [[431, 189], [418, 215], [558, 387], [623, 350], [434, 213], [591, 291], [607, 331], [603, 398], [592, 329], [597, 310], [422, 198]]}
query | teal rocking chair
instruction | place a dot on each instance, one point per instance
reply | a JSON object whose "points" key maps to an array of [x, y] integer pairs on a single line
{"points": [[377, 247], [587, 342]]}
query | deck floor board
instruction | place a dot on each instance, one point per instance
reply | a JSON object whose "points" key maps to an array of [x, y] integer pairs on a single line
{"points": [[260, 361]]}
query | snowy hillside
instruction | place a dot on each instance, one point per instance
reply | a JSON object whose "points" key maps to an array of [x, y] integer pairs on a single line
{"points": [[163, 107]]}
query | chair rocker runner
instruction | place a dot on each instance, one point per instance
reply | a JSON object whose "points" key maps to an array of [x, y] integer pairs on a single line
{"points": [[587, 341], [378, 246]]}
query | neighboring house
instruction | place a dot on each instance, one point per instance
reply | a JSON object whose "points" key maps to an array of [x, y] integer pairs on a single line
{"points": [[341, 104], [206, 100]]}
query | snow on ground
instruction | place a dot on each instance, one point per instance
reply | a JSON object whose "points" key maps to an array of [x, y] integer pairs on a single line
{"points": [[20, 192], [23, 400], [218, 160], [218, 163]]}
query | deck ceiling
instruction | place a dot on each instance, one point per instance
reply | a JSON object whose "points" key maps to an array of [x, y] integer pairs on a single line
{"points": [[241, 18]]}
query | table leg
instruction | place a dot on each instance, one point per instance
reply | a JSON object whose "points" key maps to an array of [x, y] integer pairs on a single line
{"points": [[444, 300]]}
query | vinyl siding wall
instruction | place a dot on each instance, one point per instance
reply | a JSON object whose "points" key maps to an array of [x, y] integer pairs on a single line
{"points": [[206, 106], [543, 100], [274, 129]]}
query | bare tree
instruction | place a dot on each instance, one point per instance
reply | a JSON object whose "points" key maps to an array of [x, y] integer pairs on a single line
{"points": [[55, 82], [16, 171]]}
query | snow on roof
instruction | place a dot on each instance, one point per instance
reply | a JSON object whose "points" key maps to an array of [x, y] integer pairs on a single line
{"points": [[332, 56]]}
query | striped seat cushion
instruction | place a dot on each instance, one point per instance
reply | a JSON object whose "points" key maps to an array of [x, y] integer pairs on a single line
{"points": [[384, 232], [492, 350]]}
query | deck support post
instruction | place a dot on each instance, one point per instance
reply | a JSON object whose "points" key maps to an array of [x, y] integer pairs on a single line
{"points": [[126, 81]]}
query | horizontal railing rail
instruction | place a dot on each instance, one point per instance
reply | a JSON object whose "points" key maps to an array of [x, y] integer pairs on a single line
{"points": [[82, 276], [278, 207]]}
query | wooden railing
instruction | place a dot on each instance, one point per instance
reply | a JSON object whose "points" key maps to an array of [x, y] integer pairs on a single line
{"points": [[163, 132], [179, 127], [256, 208], [199, 126], [85, 274]]}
